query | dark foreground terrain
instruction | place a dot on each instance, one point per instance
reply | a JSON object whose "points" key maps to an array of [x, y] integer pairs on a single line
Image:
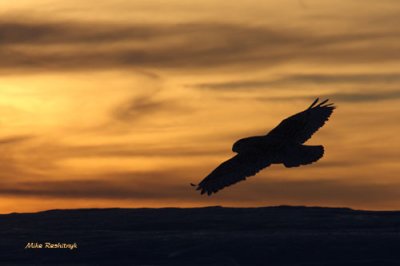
{"points": [[203, 236]]}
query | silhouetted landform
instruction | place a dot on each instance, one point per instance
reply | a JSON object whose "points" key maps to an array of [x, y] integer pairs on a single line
{"points": [[203, 236]]}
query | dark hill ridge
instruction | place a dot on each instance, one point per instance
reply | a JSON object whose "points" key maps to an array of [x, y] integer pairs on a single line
{"points": [[280, 235]]}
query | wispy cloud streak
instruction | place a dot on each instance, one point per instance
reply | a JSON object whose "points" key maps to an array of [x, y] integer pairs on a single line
{"points": [[80, 46], [300, 80]]}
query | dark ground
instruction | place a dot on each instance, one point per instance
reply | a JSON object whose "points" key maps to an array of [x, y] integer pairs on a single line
{"points": [[204, 236]]}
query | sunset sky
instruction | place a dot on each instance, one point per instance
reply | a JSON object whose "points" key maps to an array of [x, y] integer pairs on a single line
{"points": [[117, 103]]}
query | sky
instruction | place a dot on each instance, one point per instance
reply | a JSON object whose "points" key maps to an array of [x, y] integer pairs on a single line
{"points": [[117, 103]]}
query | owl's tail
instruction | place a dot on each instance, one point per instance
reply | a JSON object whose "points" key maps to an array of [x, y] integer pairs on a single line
{"points": [[296, 155]]}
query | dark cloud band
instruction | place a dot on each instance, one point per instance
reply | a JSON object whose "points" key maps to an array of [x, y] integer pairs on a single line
{"points": [[71, 46]]}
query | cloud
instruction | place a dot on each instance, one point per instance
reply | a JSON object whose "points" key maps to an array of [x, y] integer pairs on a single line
{"points": [[180, 45], [36, 46], [329, 191], [15, 139], [139, 106], [48, 33], [128, 150], [126, 185], [147, 105], [365, 97], [351, 97], [13, 163], [136, 186], [299, 80]]}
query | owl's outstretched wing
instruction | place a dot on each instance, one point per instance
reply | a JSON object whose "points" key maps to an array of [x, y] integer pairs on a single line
{"points": [[236, 169], [301, 126]]}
